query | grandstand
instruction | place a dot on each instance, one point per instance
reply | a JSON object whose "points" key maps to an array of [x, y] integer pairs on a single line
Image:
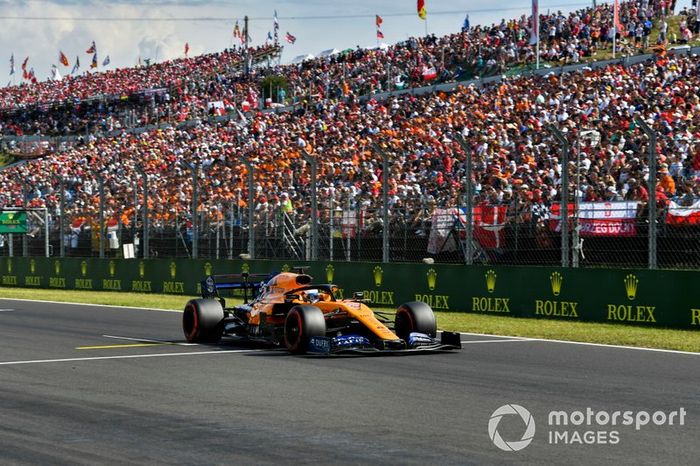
{"points": [[205, 112]]}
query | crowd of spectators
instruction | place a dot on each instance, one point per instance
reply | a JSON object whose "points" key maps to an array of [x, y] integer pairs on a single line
{"points": [[516, 162], [171, 91], [177, 90]]}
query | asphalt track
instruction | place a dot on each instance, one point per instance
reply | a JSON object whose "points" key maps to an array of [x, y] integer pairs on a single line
{"points": [[124, 399]]}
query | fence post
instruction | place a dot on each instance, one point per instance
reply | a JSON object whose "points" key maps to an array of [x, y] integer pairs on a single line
{"points": [[330, 220], [311, 160], [593, 136], [469, 188], [348, 242], [385, 201], [651, 187], [61, 209], [47, 248], [25, 244], [195, 201], [195, 231], [577, 227], [102, 215], [230, 238], [218, 238], [251, 208], [146, 225], [564, 189]]}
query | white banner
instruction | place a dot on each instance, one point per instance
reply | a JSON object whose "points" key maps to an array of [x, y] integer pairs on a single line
{"points": [[608, 218]]}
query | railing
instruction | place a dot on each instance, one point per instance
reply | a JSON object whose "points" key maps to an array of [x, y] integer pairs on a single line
{"points": [[606, 234]]}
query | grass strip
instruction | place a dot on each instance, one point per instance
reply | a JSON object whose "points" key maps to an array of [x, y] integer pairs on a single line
{"points": [[153, 301], [588, 332], [610, 334]]}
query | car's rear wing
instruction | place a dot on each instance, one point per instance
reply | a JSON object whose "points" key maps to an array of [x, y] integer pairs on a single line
{"points": [[235, 281]]}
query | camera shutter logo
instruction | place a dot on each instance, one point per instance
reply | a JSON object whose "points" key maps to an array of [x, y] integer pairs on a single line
{"points": [[526, 417]]}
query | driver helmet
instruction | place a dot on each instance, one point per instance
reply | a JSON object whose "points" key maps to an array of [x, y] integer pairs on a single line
{"points": [[312, 295]]}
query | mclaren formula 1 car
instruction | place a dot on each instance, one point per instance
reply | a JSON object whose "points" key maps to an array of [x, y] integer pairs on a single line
{"points": [[287, 310]]}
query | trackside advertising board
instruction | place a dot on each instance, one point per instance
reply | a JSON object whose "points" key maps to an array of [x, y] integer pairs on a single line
{"points": [[629, 296], [13, 221]]}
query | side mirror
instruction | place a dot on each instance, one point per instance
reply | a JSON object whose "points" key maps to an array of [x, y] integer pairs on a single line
{"points": [[358, 295], [290, 298]]}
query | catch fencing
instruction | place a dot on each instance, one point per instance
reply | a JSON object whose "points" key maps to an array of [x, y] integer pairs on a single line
{"points": [[518, 232]]}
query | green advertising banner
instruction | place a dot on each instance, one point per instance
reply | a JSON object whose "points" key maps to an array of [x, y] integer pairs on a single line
{"points": [[13, 221], [639, 297]]}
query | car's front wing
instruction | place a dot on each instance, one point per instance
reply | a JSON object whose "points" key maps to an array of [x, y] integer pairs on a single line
{"points": [[418, 343]]}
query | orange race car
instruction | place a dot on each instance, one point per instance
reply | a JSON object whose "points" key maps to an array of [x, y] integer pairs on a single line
{"points": [[288, 310]]}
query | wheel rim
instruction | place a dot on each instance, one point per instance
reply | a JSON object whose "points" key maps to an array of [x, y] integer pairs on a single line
{"points": [[293, 331], [190, 323], [403, 324]]}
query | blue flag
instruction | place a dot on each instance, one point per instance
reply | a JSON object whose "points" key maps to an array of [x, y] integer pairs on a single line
{"points": [[465, 26]]}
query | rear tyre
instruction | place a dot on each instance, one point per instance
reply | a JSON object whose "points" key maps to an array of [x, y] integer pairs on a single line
{"points": [[414, 316], [302, 323], [201, 321]]}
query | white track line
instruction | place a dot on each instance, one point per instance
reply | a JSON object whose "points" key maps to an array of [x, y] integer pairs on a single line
{"points": [[93, 305], [130, 356], [499, 340], [147, 340], [7, 310], [584, 343], [493, 336]]}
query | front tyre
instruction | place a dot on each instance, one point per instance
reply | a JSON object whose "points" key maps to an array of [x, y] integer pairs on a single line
{"points": [[201, 321], [302, 323], [414, 316]]}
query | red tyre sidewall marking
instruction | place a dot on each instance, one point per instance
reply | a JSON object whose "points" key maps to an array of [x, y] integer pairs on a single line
{"points": [[296, 344], [195, 322], [410, 319]]}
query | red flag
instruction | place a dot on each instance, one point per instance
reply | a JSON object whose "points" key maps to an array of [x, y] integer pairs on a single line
{"points": [[290, 38], [92, 48], [25, 75], [380, 35], [422, 14], [683, 215], [63, 59], [489, 223], [429, 73], [535, 23], [187, 48], [378, 20], [616, 18]]}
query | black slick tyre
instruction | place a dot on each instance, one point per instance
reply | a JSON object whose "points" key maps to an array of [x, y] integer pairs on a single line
{"points": [[302, 323], [414, 316], [201, 321]]}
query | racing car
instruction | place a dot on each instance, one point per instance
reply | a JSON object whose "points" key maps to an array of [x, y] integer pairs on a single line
{"points": [[287, 310]]}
